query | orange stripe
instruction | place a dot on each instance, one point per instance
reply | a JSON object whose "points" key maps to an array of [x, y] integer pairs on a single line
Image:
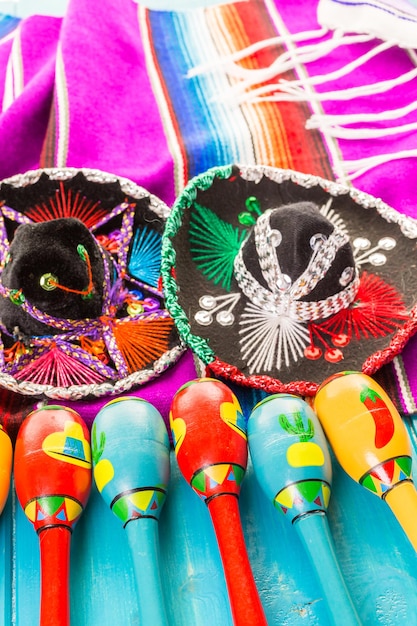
{"points": [[277, 128], [264, 119]]}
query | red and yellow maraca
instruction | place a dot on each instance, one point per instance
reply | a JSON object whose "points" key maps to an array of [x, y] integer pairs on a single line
{"points": [[370, 441], [52, 470], [211, 448]]}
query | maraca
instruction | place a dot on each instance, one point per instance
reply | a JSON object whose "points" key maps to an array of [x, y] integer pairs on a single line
{"points": [[52, 469], [6, 456], [211, 448], [130, 449], [292, 464], [370, 441]]}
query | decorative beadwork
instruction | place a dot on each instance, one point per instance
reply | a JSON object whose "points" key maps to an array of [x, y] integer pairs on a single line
{"points": [[365, 253]]}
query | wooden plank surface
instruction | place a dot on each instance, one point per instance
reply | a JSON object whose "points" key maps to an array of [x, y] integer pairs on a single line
{"points": [[378, 563]]}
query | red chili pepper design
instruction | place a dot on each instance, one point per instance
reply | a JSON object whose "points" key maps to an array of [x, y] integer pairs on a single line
{"points": [[384, 424]]}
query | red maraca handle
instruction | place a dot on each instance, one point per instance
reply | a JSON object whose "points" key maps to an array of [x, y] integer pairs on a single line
{"points": [[52, 471], [244, 599], [211, 448], [54, 544]]}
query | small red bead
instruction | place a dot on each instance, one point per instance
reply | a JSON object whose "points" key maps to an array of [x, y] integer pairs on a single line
{"points": [[333, 356], [313, 353], [341, 340]]}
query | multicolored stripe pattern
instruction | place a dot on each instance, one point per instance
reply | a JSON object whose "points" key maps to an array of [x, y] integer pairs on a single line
{"points": [[55, 146], [205, 129]]}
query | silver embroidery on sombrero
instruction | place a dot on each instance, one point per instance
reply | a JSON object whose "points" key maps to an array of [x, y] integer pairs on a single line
{"points": [[283, 296], [211, 304], [363, 252], [273, 325]]}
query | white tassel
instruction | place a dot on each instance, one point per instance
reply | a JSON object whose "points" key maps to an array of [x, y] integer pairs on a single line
{"points": [[229, 62], [369, 133], [297, 94], [287, 61], [324, 122], [346, 69], [356, 168]]}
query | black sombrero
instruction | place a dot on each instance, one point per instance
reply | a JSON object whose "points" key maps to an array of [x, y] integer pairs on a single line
{"points": [[81, 307], [277, 279]]}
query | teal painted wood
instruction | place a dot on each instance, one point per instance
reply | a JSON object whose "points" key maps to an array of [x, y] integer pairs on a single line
{"points": [[377, 561], [6, 559]]}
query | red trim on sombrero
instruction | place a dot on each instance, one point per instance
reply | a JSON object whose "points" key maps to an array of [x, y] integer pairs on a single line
{"points": [[395, 347], [221, 369]]}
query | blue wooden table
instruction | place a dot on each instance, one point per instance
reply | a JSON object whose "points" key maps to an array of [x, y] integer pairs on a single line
{"points": [[377, 561]]}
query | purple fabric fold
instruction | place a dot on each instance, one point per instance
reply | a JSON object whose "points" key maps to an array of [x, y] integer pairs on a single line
{"points": [[23, 123], [113, 118], [86, 91]]}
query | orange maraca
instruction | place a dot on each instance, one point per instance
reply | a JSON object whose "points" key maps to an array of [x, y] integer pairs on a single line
{"points": [[370, 441], [6, 456], [52, 469], [211, 447]]}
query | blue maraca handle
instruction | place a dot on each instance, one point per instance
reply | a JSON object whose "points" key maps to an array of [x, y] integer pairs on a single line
{"points": [[131, 470], [142, 535], [314, 532], [292, 463]]}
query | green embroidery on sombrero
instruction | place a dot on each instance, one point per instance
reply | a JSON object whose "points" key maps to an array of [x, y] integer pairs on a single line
{"points": [[214, 245], [168, 261], [204, 181]]}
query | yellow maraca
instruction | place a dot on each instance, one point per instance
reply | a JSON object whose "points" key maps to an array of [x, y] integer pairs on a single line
{"points": [[370, 442]]}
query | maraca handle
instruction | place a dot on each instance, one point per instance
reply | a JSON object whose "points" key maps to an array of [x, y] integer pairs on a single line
{"points": [[54, 544], [314, 532], [142, 535], [244, 598], [402, 500]]}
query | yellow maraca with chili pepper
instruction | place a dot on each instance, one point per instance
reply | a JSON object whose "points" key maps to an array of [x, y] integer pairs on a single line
{"points": [[370, 441]]}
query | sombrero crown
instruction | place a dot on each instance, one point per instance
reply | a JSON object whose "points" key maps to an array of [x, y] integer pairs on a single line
{"points": [[278, 279]]}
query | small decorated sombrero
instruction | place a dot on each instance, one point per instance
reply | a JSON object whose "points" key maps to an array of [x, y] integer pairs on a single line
{"points": [[82, 313], [277, 279]]}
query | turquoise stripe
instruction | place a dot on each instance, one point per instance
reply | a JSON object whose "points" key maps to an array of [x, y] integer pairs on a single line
{"points": [[7, 24], [213, 132]]}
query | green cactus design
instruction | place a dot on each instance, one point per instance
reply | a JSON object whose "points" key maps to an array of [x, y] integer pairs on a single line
{"points": [[298, 428], [97, 449]]}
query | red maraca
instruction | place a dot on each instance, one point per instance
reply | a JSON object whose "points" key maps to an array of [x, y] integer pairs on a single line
{"points": [[52, 469], [211, 448]]}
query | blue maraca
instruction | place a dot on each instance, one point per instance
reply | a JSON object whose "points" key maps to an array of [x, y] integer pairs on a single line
{"points": [[130, 450], [292, 464]]}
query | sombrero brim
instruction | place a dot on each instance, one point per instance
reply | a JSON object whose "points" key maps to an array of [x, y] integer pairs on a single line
{"points": [[92, 196], [211, 216]]}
